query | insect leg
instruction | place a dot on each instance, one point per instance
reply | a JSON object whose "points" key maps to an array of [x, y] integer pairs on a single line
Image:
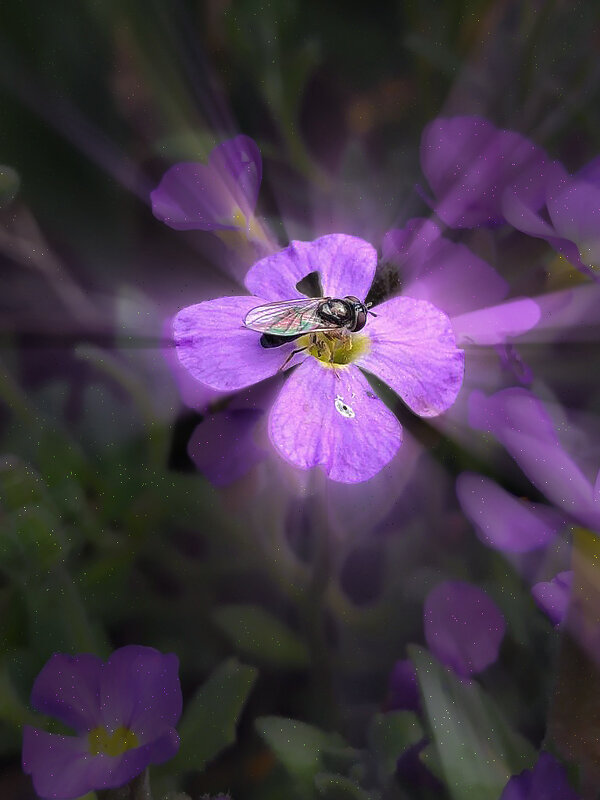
{"points": [[291, 355]]}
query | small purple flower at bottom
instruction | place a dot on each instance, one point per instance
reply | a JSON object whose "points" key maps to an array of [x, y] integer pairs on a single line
{"points": [[327, 414], [546, 781], [123, 713]]}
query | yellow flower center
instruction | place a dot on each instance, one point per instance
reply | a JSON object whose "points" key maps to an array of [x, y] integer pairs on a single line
{"points": [[111, 744], [336, 348]]}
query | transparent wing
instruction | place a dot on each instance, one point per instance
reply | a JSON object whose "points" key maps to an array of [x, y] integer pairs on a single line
{"points": [[288, 317]]}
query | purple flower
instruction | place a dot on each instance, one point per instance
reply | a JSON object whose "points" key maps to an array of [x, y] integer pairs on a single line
{"points": [[463, 627], [327, 414], [521, 422], [458, 282], [502, 521], [220, 195], [470, 164], [403, 688], [572, 220], [123, 713], [553, 596], [546, 781]]}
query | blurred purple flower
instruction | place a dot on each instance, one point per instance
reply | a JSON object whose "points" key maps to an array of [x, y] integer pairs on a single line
{"points": [[470, 164], [458, 282], [327, 414], [463, 627], [546, 781], [571, 223], [521, 422], [503, 521], [403, 688], [123, 712], [220, 195], [552, 597]]}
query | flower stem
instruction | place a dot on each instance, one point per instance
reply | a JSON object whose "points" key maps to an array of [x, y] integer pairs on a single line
{"points": [[325, 707]]}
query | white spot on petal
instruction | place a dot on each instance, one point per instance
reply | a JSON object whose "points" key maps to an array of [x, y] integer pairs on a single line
{"points": [[343, 408]]}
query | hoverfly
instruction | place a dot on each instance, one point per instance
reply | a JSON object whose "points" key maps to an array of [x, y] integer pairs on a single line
{"points": [[282, 322]]}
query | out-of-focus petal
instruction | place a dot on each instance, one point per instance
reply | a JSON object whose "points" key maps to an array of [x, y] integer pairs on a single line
{"points": [[469, 164], [443, 273], [403, 688], [553, 596], [574, 209], [463, 626], [334, 420], [413, 350], [521, 423], [214, 346], [61, 766], [503, 521], [68, 688], [140, 690], [222, 446], [496, 324], [191, 196], [346, 265], [239, 164], [546, 781]]}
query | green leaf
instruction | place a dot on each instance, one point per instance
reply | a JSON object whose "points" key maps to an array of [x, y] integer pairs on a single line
{"points": [[390, 735], [299, 746], [40, 536], [209, 723], [477, 750], [10, 184], [338, 787], [259, 635]]}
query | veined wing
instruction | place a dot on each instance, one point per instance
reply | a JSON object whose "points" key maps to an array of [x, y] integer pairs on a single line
{"points": [[288, 317]]}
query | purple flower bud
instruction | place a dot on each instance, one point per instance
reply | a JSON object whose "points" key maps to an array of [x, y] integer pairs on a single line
{"points": [[553, 596]]}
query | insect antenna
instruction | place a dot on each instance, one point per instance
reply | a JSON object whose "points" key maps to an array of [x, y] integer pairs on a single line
{"points": [[368, 307]]}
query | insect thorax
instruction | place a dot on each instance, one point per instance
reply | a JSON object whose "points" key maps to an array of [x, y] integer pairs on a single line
{"points": [[336, 311]]}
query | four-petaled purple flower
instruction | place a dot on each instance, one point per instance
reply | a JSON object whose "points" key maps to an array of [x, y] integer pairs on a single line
{"points": [[217, 196], [327, 414], [123, 712]]}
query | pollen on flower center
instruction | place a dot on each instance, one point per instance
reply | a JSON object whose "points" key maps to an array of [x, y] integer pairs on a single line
{"points": [[336, 348], [111, 744]]}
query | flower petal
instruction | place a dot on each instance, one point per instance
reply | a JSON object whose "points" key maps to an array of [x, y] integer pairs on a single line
{"points": [[496, 324], [574, 208], [553, 596], [346, 265], [469, 163], [444, 273], [238, 162], [463, 626], [522, 424], [546, 781], [214, 346], [413, 350], [61, 766], [503, 521], [192, 196], [333, 419], [140, 690], [68, 688]]}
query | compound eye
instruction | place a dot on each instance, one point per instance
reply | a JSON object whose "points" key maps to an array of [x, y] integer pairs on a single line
{"points": [[361, 319]]}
